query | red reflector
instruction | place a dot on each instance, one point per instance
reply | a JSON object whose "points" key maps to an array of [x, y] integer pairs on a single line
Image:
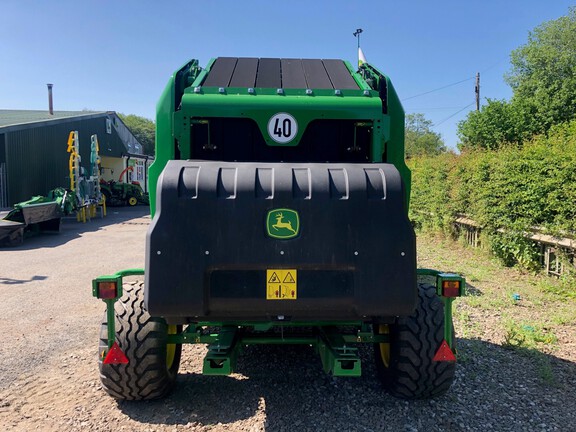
{"points": [[115, 356], [444, 353], [450, 288], [107, 290]]}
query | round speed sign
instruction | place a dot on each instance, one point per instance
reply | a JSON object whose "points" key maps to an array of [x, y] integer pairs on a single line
{"points": [[282, 128]]}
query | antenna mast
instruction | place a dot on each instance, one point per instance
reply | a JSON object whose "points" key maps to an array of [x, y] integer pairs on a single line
{"points": [[357, 35], [361, 58]]}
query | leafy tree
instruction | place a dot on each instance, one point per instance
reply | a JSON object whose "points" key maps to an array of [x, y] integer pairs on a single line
{"points": [[543, 79], [543, 75], [496, 123], [420, 139], [143, 129]]}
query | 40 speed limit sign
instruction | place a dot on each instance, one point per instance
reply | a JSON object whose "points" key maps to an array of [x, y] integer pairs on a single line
{"points": [[282, 128]]}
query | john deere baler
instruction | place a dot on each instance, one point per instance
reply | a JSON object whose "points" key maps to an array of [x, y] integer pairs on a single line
{"points": [[279, 197]]}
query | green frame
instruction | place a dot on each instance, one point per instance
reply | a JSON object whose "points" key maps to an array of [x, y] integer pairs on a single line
{"points": [[337, 350]]}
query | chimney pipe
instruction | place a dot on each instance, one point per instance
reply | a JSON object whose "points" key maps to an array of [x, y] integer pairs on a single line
{"points": [[50, 104]]}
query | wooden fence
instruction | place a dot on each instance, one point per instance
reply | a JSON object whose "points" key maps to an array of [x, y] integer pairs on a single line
{"points": [[555, 252]]}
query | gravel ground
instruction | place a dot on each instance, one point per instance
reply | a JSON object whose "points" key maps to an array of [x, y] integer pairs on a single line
{"points": [[49, 377]]}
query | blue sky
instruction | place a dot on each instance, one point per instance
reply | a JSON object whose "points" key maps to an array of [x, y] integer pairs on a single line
{"points": [[117, 55]]}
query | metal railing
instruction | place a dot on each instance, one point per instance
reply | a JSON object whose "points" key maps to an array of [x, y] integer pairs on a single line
{"points": [[555, 252]]}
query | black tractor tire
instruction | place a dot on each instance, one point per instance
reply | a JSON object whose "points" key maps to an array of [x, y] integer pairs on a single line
{"points": [[152, 363], [405, 366], [132, 201]]}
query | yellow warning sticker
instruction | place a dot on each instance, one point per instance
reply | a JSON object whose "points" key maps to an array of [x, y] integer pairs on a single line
{"points": [[281, 284]]}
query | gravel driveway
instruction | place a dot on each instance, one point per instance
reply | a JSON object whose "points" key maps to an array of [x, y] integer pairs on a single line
{"points": [[49, 376]]}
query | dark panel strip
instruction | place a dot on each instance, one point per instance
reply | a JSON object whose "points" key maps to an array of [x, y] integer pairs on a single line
{"points": [[269, 73], [221, 72], [245, 73], [339, 75], [293, 74], [316, 75]]}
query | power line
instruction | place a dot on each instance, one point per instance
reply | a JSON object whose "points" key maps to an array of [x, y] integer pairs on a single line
{"points": [[493, 65], [437, 89], [452, 115]]}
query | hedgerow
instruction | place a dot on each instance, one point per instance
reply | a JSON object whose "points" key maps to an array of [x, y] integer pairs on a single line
{"points": [[509, 192]]}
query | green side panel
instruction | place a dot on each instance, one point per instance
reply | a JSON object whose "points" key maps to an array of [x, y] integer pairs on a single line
{"points": [[165, 147], [395, 145]]}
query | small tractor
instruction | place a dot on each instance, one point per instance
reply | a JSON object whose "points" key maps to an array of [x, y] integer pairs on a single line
{"points": [[118, 193], [279, 202]]}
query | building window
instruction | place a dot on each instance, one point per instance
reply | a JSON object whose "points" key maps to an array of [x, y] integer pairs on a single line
{"points": [[140, 171], [108, 126]]}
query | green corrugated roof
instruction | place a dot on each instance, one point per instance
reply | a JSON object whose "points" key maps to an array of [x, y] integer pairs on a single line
{"points": [[18, 117]]}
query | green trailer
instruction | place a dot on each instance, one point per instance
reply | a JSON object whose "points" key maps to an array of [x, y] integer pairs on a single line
{"points": [[279, 197]]}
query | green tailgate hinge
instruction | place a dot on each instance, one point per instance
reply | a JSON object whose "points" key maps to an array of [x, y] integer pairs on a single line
{"points": [[222, 353], [337, 357]]}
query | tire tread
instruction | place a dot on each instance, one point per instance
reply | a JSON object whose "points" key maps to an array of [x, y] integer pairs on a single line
{"points": [[143, 340], [414, 341]]}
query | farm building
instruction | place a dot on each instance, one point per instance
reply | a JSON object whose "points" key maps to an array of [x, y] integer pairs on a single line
{"points": [[34, 157]]}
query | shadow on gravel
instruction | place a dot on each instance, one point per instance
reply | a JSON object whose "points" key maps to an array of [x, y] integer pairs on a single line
{"points": [[71, 229], [198, 399], [285, 387], [9, 281]]}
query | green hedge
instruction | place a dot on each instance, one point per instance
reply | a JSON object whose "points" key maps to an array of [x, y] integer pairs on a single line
{"points": [[508, 191]]}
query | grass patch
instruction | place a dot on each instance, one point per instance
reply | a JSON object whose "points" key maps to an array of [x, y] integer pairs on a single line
{"points": [[544, 368], [563, 288], [497, 300], [518, 309], [529, 340], [526, 335], [479, 274], [462, 316], [467, 326], [564, 317]]}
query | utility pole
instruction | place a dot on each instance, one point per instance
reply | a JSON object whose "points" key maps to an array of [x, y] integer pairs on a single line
{"points": [[477, 90]]}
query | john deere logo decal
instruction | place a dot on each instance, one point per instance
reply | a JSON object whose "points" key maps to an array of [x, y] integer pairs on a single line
{"points": [[282, 223]]}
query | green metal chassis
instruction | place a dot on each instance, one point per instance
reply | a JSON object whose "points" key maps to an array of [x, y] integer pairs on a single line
{"points": [[336, 348]]}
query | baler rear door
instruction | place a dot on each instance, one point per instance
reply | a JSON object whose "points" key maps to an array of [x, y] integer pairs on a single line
{"points": [[303, 241]]}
